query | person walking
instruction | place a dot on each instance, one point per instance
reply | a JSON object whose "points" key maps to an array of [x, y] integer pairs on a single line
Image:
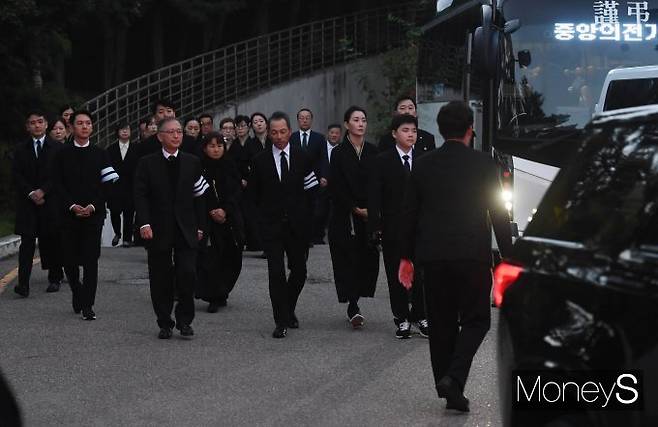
{"points": [[123, 158], [171, 216], [354, 258], [451, 201], [281, 181]]}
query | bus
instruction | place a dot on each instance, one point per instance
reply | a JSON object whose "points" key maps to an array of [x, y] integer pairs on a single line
{"points": [[533, 71]]}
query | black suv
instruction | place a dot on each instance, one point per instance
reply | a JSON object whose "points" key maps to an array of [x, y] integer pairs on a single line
{"points": [[579, 294]]}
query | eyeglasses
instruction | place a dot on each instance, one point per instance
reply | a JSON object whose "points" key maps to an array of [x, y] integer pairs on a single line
{"points": [[172, 131], [242, 126]]}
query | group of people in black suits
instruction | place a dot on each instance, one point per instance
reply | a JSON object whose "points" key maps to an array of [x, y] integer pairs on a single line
{"points": [[429, 210]]}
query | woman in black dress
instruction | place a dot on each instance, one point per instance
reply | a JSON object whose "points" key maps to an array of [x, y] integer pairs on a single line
{"points": [[220, 257], [354, 258]]}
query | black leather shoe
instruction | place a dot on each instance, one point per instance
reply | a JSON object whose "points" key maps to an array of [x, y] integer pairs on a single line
{"points": [[280, 332], [88, 314], [22, 291], [115, 240], [294, 323], [449, 389], [165, 333], [53, 287], [186, 331]]}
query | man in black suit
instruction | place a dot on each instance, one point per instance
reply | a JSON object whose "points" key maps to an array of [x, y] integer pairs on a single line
{"points": [[312, 142], [452, 199], [35, 203], [123, 158], [425, 140], [82, 175], [281, 179], [164, 109], [322, 200], [171, 216], [388, 180]]}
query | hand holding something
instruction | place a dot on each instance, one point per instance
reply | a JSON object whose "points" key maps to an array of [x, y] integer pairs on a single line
{"points": [[406, 273], [146, 233]]}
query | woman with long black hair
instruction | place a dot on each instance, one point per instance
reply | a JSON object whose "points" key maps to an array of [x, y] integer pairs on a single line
{"points": [[220, 257]]}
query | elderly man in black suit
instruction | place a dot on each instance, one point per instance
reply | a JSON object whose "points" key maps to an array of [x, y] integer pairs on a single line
{"points": [[35, 203], [281, 179], [387, 182], [451, 201], [171, 216], [425, 140], [123, 158]]}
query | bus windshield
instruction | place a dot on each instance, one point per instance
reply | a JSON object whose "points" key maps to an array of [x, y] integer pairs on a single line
{"points": [[574, 44]]}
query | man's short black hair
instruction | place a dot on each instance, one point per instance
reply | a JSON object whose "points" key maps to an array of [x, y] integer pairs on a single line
{"points": [[304, 109], [279, 115], [226, 120], [164, 103], [352, 110], [241, 118], [77, 113], [454, 119], [334, 125], [205, 115], [403, 119], [404, 98], [35, 112]]}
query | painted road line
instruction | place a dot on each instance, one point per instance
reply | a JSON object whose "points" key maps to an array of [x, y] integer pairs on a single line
{"points": [[9, 277]]}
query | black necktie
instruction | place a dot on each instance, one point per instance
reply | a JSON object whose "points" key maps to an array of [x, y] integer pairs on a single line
{"points": [[304, 140], [284, 166], [39, 148], [407, 165]]}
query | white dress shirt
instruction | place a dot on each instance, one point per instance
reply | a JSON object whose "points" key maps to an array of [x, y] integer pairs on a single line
{"points": [[168, 154], [330, 148], [123, 148], [276, 153], [402, 153], [36, 141]]}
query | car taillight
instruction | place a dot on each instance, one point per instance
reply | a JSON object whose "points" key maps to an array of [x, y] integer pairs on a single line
{"points": [[504, 275]]}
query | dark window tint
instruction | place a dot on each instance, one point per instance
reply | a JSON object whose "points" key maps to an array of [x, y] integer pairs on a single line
{"points": [[631, 93], [608, 198]]}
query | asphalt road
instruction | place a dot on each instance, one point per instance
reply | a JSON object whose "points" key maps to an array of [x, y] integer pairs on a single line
{"points": [[114, 371]]}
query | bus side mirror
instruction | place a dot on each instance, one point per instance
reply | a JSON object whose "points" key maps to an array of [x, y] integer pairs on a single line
{"points": [[525, 58], [486, 45]]}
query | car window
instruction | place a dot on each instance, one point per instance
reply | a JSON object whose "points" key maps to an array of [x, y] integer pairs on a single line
{"points": [[631, 93], [607, 199]]}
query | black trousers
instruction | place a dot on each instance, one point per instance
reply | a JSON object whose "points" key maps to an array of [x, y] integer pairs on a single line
{"points": [[457, 294], [128, 220], [82, 247], [219, 265], [172, 270], [48, 248], [284, 293], [399, 296], [321, 215]]}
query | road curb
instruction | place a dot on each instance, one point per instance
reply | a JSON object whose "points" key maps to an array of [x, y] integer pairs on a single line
{"points": [[9, 245]]}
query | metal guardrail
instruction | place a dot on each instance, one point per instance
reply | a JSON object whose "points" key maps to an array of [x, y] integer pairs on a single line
{"points": [[225, 75]]}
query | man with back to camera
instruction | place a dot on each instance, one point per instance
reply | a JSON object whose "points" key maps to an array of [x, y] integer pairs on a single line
{"points": [[388, 180], [281, 179], [36, 210], [171, 218], [425, 140], [451, 201]]}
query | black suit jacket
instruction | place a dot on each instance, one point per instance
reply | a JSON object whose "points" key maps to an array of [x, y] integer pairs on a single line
{"points": [[424, 142], [451, 201], [29, 174], [123, 189], [164, 210], [387, 183], [279, 202]]}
